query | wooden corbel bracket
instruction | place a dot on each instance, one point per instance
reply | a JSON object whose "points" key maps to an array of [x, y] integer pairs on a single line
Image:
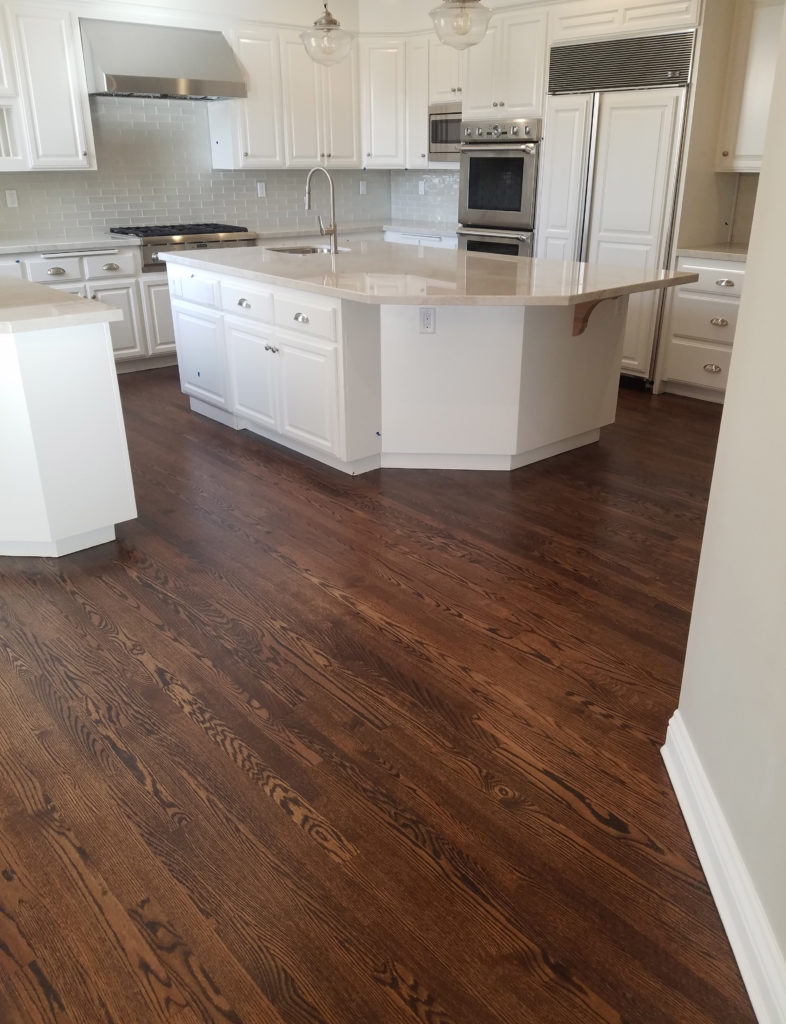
{"points": [[581, 314]]}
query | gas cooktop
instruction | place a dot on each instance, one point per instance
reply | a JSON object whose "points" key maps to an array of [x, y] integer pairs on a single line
{"points": [[175, 230]]}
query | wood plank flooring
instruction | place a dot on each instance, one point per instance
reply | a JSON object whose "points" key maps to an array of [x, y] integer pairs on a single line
{"points": [[302, 748]]}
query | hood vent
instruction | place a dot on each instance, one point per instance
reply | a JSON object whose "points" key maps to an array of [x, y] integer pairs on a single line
{"points": [[126, 59]]}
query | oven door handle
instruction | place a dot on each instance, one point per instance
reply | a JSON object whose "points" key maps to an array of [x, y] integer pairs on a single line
{"points": [[514, 236], [500, 147]]}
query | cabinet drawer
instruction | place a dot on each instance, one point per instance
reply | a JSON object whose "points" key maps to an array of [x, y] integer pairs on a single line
{"points": [[309, 316], [248, 301], [721, 278], [202, 290], [704, 316], [64, 268], [116, 264], [698, 362]]}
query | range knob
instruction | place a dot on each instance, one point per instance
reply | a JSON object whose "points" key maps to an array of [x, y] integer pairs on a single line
{"points": [[527, 130], [495, 131], [467, 131], [514, 129], [479, 131]]}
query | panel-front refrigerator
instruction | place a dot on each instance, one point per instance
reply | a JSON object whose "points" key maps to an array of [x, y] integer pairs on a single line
{"points": [[609, 169]]}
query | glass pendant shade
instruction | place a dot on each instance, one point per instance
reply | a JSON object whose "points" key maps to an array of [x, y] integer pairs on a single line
{"points": [[327, 42], [460, 23]]}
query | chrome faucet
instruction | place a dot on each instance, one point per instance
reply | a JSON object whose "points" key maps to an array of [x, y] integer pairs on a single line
{"points": [[331, 230]]}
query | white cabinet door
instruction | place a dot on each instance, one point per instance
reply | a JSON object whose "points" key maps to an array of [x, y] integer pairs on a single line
{"points": [[481, 86], [253, 372], [445, 72], [633, 183], [382, 75], [308, 391], [200, 354], [128, 337], [55, 96], [13, 155], [584, 19], [303, 127], [522, 63], [249, 133], [340, 113], [562, 190], [158, 316], [416, 103], [746, 106]]}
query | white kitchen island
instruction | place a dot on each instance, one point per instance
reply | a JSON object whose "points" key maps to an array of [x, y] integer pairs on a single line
{"points": [[66, 477], [332, 354]]}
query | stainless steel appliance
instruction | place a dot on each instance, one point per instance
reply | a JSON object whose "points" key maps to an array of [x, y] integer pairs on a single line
{"points": [[444, 132], [498, 176], [174, 237], [505, 243]]}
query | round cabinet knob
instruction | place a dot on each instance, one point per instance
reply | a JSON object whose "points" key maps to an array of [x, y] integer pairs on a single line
{"points": [[111, 266], [712, 368], [453, 88], [502, 103], [268, 348], [273, 348], [725, 152], [244, 303], [495, 104], [55, 271], [301, 318], [422, 156], [719, 321], [724, 282]]}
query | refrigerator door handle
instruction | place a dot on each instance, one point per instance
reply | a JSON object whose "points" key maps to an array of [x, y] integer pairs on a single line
{"points": [[583, 246]]}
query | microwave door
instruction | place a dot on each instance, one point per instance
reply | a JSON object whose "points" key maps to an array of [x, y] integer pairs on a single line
{"points": [[497, 186]]}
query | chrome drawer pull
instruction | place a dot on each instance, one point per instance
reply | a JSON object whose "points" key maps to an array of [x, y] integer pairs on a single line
{"points": [[244, 303], [301, 318], [724, 282], [719, 321], [270, 348], [712, 368], [54, 271], [111, 266]]}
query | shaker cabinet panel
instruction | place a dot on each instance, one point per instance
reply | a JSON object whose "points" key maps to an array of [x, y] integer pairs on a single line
{"points": [[55, 96], [505, 72], [302, 104], [200, 354], [416, 141], [128, 338], [382, 77]]}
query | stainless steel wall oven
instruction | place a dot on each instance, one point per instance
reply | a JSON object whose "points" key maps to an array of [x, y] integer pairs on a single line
{"points": [[498, 174]]}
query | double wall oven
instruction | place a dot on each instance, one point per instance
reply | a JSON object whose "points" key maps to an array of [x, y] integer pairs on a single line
{"points": [[498, 174]]}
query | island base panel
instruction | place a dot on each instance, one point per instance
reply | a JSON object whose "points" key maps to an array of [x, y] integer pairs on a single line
{"points": [[57, 548], [501, 463]]}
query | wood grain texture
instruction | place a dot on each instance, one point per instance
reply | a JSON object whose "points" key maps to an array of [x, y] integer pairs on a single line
{"points": [[302, 748]]}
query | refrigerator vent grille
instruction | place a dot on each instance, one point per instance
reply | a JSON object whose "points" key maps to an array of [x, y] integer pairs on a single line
{"points": [[640, 62]]}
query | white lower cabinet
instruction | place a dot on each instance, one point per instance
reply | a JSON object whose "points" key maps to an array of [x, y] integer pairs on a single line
{"points": [[200, 353], [699, 329], [158, 315], [128, 337], [291, 366]]}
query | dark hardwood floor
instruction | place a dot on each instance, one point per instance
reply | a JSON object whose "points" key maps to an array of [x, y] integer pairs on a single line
{"points": [[301, 747]]}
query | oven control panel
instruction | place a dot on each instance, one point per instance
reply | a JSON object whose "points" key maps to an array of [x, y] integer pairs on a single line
{"points": [[520, 129]]}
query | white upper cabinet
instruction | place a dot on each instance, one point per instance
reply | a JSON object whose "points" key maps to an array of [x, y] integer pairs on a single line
{"points": [[54, 94], [445, 72], [754, 52], [382, 90], [585, 18], [416, 103], [505, 71], [249, 133], [12, 135], [321, 122]]}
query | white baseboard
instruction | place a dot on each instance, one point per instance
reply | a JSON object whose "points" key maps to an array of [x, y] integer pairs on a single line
{"points": [[762, 963]]}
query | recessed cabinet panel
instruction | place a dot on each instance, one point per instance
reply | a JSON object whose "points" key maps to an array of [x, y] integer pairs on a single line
{"points": [[340, 112], [58, 121], [253, 372], [416, 103], [445, 72], [302, 103], [128, 340], [700, 363], [382, 78], [309, 392], [200, 354], [158, 317]]}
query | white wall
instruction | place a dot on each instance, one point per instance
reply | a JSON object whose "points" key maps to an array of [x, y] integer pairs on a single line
{"points": [[733, 700]]}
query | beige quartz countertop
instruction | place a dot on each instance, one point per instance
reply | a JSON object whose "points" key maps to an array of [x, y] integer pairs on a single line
{"points": [[385, 273], [25, 306], [721, 250]]}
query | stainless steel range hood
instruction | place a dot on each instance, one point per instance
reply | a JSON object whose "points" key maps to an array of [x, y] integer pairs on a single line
{"points": [[126, 59]]}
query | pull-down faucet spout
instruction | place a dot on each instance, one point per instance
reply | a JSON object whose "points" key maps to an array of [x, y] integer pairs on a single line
{"points": [[331, 231]]}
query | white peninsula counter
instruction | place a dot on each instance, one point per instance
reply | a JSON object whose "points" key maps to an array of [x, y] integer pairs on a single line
{"points": [[387, 355], [66, 477]]}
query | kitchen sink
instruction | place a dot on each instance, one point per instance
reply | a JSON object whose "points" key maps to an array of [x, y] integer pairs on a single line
{"points": [[302, 250]]}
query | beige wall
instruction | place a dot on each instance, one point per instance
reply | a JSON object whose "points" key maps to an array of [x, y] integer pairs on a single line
{"points": [[733, 700]]}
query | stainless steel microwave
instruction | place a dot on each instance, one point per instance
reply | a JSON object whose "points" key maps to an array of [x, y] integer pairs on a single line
{"points": [[444, 132]]}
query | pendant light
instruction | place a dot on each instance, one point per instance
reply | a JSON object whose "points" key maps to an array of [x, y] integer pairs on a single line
{"points": [[327, 42], [460, 23]]}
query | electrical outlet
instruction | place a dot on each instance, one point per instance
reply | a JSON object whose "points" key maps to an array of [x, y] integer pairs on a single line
{"points": [[10, 197], [428, 319], [261, 190], [422, 187], [363, 187]]}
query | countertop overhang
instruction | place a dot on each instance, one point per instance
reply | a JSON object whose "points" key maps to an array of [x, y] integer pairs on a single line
{"points": [[25, 306], [384, 273]]}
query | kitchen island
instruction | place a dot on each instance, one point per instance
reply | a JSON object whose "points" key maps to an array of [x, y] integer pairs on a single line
{"points": [[390, 356], [66, 477]]}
